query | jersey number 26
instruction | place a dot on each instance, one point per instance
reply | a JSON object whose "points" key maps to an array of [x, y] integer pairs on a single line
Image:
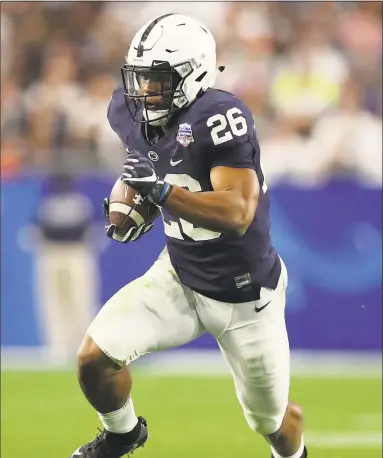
{"points": [[221, 132]]}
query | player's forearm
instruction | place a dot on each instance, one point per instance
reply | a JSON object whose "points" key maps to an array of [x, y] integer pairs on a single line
{"points": [[221, 211]]}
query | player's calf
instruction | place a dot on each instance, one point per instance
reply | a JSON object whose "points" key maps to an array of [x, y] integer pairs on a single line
{"points": [[107, 387], [105, 384], [287, 441]]}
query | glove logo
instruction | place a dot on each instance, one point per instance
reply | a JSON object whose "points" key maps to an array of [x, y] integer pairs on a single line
{"points": [[153, 156]]}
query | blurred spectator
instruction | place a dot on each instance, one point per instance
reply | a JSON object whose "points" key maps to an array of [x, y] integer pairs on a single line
{"points": [[13, 126], [288, 61], [289, 153], [7, 29], [352, 137], [364, 48], [56, 93], [66, 266], [345, 141], [212, 14], [89, 124], [308, 78], [248, 55]]}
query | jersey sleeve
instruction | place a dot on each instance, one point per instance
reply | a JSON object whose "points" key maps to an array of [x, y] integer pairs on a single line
{"points": [[229, 136], [118, 115]]}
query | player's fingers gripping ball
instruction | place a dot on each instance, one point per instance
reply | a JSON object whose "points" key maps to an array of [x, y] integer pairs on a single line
{"points": [[139, 168], [127, 215], [139, 173]]}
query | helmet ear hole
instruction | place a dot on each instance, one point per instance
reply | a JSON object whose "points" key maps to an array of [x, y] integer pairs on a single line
{"points": [[200, 77]]}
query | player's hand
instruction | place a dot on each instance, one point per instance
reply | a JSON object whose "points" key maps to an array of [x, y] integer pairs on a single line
{"points": [[139, 174], [133, 234]]}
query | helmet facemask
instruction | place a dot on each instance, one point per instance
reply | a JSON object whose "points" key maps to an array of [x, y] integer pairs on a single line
{"points": [[156, 90]]}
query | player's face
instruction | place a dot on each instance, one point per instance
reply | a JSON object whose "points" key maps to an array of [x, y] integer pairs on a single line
{"points": [[158, 88], [153, 87]]}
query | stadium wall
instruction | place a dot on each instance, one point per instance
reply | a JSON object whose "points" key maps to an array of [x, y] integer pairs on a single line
{"points": [[329, 237]]}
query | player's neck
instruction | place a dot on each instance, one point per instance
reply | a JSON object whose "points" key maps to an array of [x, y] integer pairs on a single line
{"points": [[154, 133]]}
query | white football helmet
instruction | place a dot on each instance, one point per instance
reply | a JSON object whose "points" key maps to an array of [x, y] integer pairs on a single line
{"points": [[171, 60]]}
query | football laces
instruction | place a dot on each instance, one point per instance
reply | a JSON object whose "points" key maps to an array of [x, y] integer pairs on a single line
{"points": [[137, 199]]}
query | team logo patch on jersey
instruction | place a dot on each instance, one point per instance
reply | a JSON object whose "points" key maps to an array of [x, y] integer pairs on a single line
{"points": [[153, 156], [185, 134]]}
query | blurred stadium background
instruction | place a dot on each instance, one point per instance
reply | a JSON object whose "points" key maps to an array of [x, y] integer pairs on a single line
{"points": [[312, 75]]}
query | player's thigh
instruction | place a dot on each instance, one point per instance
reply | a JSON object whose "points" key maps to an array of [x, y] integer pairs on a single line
{"points": [[154, 312], [256, 348]]}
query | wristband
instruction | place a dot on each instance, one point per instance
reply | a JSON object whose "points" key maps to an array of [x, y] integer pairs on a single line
{"points": [[160, 192]]}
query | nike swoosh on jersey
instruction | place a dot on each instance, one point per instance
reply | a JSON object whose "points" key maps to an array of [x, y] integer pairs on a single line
{"points": [[175, 162], [259, 309]]}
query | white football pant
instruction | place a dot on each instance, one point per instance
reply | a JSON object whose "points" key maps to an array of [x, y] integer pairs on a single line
{"points": [[156, 312]]}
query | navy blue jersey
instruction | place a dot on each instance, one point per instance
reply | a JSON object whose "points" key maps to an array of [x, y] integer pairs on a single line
{"points": [[216, 130]]}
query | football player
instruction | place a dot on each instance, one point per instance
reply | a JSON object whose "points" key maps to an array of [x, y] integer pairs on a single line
{"points": [[192, 150]]}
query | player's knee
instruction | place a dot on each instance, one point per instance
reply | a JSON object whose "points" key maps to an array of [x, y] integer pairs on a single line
{"points": [[264, 425], [293, 413], [275, 420], [293, 417], [91, 360]]}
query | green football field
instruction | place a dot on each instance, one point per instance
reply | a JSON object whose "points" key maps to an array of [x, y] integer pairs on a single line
{"points": [[43, 415]]}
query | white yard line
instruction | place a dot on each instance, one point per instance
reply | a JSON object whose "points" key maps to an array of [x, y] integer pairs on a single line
{"points": [[368, 420], [341, 439], [210, 362]]}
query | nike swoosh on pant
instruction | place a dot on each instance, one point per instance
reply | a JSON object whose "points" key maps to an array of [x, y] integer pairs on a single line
{"points": [[259, 309]]}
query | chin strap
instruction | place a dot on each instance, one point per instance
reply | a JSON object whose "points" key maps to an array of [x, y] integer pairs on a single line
{"points": [[157, 122]]}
